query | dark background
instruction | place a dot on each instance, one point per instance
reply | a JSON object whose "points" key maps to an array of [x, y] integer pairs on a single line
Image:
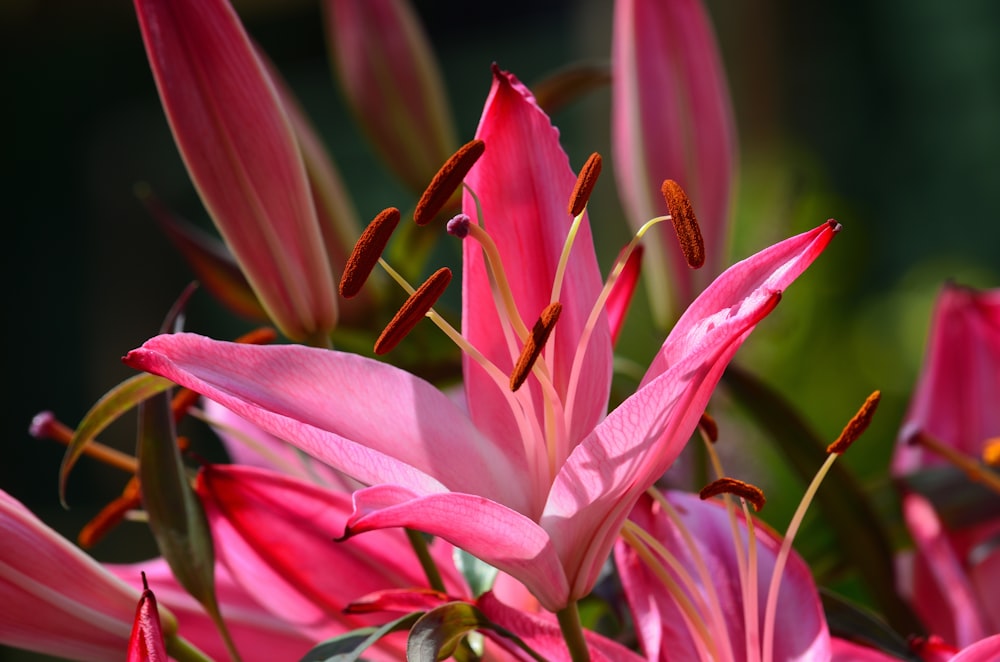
{"points": [[885, 115]]}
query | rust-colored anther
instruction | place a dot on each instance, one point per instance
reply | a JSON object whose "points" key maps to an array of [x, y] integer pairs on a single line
{"points": [[585, 184], [751, 493], [991, 452], [685, 223], [534, 345], [857, 425], [709, 427], [447, 180], [111, 515], [367, 251], [413, 310]]}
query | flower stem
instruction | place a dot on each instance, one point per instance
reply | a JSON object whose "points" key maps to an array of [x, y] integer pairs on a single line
{"points": [[572, 630], [419, 544], [180, 649]]}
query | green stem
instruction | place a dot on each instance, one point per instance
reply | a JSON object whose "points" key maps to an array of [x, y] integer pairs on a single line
{"points": [[183, 650], [572, 630], [419, 544]]}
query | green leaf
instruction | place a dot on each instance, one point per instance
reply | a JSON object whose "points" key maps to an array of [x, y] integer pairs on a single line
{"points": [[854, 623], [843, 504], [349, 646], [478, 574], [106, 411], [437, 634]]}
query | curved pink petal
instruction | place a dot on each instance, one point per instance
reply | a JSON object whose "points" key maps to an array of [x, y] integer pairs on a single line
{"points": [[985, 650], [621, 293], [366, 418], [253, 627], [541, 633], [955, 398], [241, 153], [800, 633], [672, 119], [54, 599], [523, 182], [488, 530], [638, 441]]}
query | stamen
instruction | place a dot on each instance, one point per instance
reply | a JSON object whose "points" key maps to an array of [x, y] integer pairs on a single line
{"points": [[857, 425], [458, 226], [746, 491], [685, 223], [446, 181], [413, 310], [991, 452], [367, 251], [111, 515], [46, 426], [970, 465], [262, 336], [709, 427], [534, 344], [584, 185]]}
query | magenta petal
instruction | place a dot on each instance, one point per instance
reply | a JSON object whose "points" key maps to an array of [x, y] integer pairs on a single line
{"points": [[524, 181], [366, 418], [242, 155], [275, 535], [801, 632], [985, 650], [847, 651], [672, 119], [146, 642], [490, 531]]}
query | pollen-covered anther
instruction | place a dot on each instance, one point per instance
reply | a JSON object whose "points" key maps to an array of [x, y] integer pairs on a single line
{"points": [[446, 181], [991, 452], [585, 184], [857, 425], [708, 425], [685, 223], [751, 493], [367, 251], [534, 344], [413, 310]]}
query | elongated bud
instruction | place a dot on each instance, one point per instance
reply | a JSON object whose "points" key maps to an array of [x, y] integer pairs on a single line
{"points": [[685, 223], [751, 493], [585, 184], [413, 310], [857, 425], [446, 181], [535, 343], [367, 251]]}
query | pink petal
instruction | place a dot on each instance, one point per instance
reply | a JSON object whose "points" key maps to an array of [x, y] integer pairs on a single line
{"points": [[386, 68], [985, 650], [488, 530], [241, 153], [672, 119], [955, 399], [372, 421], [801, 632], [275, 535], [848, 651], [253, 627], [638, 441], [621, 293], [146, 642], [56, 600], [541, 633], [524, 182]]}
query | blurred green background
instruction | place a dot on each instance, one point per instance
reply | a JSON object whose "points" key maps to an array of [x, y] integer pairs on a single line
{"points": [[884, 115]]}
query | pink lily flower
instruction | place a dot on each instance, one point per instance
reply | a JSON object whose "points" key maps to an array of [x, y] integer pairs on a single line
{"points": [[715, 608], [257, 632], [540, 479], [146, 642], [392, 82], [672, 119], [56, 600], [955, 399], [241, 152]]}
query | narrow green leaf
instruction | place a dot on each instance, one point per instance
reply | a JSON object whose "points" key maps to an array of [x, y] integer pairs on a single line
{"points": [[854, 623], [349, 646], [478, 574], [106, 411], [175, 515], [437, 634], [843, 504]]}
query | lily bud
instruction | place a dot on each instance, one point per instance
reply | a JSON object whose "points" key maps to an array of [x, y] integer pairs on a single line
{"points": [[391, 80], [241, 152], [672, 119]]}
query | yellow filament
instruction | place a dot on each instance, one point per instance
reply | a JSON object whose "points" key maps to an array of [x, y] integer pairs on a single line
{"points": [[971, 466]]}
